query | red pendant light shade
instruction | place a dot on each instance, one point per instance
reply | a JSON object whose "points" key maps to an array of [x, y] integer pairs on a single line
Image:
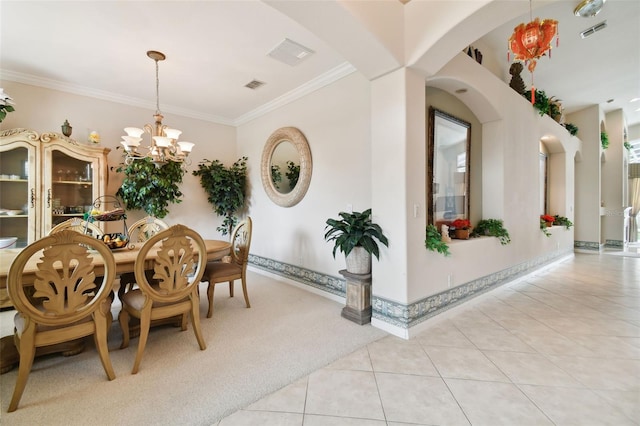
{"points": [[531, 41]]}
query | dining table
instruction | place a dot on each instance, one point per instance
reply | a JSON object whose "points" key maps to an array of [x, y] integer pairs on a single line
{"points": [[125, 259]]}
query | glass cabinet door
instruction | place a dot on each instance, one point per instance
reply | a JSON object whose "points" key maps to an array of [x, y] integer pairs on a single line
{"points": [[17, 193], [69, 186]]}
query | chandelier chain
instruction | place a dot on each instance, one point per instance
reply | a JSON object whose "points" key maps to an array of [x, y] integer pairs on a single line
{"points": [[157, 89]]}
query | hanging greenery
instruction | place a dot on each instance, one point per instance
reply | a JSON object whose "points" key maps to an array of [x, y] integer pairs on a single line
{"points": [[492, 228], [225, 188], [150, 188], [433, 241]]}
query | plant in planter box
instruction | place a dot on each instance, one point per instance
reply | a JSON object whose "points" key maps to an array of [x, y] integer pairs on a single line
{"points": [[541, 102], [546, 221], [492, 228], [225, 188], [355, 236], [462, 228], [433, 241], [562, 221]]}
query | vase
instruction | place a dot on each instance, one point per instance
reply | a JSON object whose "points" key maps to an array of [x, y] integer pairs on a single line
{"points": [[359, 261], [549, 224], [463, 234]]}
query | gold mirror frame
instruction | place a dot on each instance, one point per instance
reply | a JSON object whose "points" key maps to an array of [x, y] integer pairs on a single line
{"points": [[294, 136], [458, 183]]}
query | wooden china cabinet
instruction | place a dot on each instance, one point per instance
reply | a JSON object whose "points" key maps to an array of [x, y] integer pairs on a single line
{"points": [[46, 179]]}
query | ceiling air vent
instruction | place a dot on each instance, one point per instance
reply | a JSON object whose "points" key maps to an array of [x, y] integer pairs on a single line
{"points": [[254, 84], [592, 30], [290, 52]]}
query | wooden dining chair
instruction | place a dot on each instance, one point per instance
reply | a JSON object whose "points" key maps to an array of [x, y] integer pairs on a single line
{"points": [[178, 268], [64, 303], [78, 225], [236, 266], [139, 233]]}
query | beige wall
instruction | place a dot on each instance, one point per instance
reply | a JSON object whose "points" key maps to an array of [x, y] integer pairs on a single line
{"points": [[44, 110]]}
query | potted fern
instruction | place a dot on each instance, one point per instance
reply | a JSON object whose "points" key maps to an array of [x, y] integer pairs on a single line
{"points": [[357, 237]]}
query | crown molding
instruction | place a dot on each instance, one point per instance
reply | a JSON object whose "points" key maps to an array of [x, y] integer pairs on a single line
{"points": [[319, 82], [323, 80]]}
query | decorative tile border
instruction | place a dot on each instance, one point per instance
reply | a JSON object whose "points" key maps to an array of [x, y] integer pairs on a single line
{"points": [[398, 314], [614, 243], [587, 245], [406, 316], [314, 279]]}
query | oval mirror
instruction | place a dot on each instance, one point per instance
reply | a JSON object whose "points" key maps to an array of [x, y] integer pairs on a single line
{"points": [[286, 166]]}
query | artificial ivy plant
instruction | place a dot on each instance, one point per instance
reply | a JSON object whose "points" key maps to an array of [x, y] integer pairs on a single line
{"points": [[150, 188], [433, 240], [492, 228], [225, 188]]}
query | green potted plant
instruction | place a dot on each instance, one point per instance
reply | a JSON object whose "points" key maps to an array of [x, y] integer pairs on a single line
{"points": [[225, 188], [571, 128], [562, 221], [433, 241], [492, 228], [150, 188], [546, 221], [541, 101], [276, 175], [6, 104], [604, 140], [357, 237], [293, 173]]}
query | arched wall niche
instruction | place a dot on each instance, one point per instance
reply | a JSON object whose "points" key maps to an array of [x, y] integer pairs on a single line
{"points": [[450, 103], [553, 175], [481, 107]]}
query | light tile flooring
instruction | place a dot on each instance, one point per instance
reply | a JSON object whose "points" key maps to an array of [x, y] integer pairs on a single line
{"points": [[561, 347]]}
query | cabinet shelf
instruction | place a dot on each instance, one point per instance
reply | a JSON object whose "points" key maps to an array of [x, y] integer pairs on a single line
{"points": [[15, 180], [71, 182]]}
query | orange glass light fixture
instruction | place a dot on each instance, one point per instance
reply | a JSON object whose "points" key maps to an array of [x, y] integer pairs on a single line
{"points": [[164, 145], [529, 42]]}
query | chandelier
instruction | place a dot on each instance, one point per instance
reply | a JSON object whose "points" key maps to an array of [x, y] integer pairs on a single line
{"points": [[164, 145], [529, 42]]}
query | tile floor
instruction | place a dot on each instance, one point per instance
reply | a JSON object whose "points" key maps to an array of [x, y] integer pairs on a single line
{"points": [[561, 347]]}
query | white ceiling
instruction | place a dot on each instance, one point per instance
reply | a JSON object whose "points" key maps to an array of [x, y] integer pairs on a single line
{"points": [[214, 48], [602, 69]]}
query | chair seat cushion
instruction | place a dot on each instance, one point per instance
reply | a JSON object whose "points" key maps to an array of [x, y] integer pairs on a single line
{"points": [[219, 270], [135, 299]]}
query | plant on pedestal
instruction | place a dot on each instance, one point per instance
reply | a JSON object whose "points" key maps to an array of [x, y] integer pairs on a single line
{"points": [[355, 236]]}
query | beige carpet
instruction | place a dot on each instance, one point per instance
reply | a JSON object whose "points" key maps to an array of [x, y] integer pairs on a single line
{"points": [[287, 334]]}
